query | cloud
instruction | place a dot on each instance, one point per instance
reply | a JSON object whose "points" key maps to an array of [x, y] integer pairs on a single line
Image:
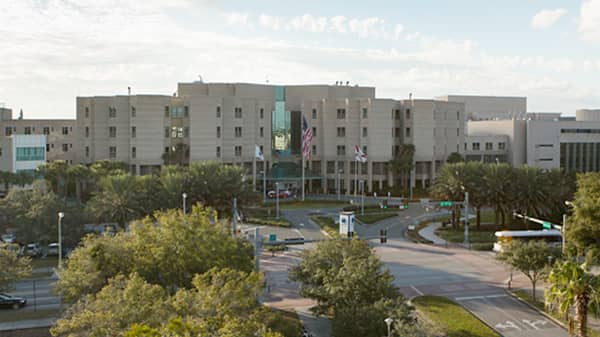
{"points": [[236, 18], [547, 17], [589, 21], [270, 22]]}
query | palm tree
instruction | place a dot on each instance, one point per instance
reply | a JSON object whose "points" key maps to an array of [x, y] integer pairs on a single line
{"points": [[571, 285], [473, 183], [7, 178], [78, 174], [403, 163], [449, 185], [498, 183], [532, 190], [55, 173], [118, 199]]}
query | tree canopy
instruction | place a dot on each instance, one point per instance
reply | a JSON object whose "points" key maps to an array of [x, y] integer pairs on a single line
{"points": [[12, 267], [583, 229]]}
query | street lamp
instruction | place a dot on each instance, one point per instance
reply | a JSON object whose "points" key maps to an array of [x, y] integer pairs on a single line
{"points": [[339, 187], [184, 195], [388, 321], [277, 200], [60, 216]]}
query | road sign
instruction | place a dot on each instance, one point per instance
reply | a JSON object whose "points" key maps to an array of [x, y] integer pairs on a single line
{"points": [[272, 237], [546, 225], [445, 203]]}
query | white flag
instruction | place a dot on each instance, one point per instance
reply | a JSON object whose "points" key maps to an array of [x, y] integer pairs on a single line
{"points": [[258, 153], [359, 155]]}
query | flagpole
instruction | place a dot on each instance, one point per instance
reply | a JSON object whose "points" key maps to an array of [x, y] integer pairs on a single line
{"points": [[355, 175], [254, 169], [303, 163]]}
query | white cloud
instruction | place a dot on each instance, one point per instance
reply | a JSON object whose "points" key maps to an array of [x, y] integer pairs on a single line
{"points": [[589, 21], [547, 17], [235, 18], [270, 22], [308, 23]]}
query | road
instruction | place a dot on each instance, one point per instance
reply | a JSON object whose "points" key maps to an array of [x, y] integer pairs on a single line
{"points": [[38, 293], [473, 279]]}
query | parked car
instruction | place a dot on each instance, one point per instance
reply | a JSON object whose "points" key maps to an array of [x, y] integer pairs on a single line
{"points": [[282, 194], [9, 238], [15, 248], [33, 249], [11, 302], [52, 249]]}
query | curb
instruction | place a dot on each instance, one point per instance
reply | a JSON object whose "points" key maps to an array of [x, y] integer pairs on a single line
{"points": [[543, 313]]}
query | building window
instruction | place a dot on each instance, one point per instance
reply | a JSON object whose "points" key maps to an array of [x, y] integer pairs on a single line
{"points": [[28, 130], [475, 146], [186, 111], [87, 112], [364, 132], [1, 150], [218, 112], [407, 114], [341, 167], [87, 132], [176, 132], [314, 131], [341, 150], [112, 112], [87, 151], [365, 112], [488, 146], [166, 149], [458, 115], [218, 132], [238, 150], [218, 152], [186, 132], [262, 131], [112, 152], [262, 113], [238, 131], [167, 111], [133, 132], [167, 131], [8, 131], [341, 132], [46, 130], [133, 152], [397, 114], [314, 113], [133, 111], [341, 113], [47, 147], [65, 147], [364, 149], [396, 132], [407, 132], [177, 112], [457, 132], [30, 153], [330, 167], [65, 130], [502, 146], [238, 112], [314, 150], [112, 132]]}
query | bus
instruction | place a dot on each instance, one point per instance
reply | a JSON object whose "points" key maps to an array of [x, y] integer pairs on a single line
{"points": [[551, 236]]}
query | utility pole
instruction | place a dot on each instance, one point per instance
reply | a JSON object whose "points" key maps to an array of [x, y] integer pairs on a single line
{"points": [[234, 220], [277, 200], [467, 220], [362, 197]]}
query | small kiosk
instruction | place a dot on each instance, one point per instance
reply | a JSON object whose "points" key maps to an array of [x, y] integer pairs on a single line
{"points": [[346, 223]]}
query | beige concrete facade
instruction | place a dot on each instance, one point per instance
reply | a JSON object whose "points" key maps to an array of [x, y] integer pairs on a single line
{"points": [[490, 107], [514, 129]]}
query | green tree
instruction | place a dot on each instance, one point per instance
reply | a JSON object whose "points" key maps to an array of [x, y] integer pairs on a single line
{"points": [[572, 285], [168, 250], [173, 182], [583, 232], [348, 282], [498, 185], [78, 175], [530, 258], [533, 191], [7, 178], [449, 185], [454, 158], [179, 155], [55, 174], [13, 267], [118, 199], [402, 163]]}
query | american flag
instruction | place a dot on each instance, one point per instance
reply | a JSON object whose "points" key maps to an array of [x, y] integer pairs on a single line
{"points": [[307, 136]]}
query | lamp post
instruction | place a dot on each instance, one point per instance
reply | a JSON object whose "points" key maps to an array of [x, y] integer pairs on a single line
{"points": [[339, 187], [60, 216], [388, 321], [277, 200], [184, 195], [362, 197], [264, 183]]}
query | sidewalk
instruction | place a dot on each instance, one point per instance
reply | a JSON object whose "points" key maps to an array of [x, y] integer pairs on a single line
{"points": [[429, 234], [28, 324]]}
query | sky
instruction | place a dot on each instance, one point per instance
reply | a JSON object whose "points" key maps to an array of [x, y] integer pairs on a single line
{"points": [[52, 51]]}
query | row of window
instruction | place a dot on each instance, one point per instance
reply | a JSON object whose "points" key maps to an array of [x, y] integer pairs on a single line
{"points": [[170, 111], [489, 146], [28, 130]]}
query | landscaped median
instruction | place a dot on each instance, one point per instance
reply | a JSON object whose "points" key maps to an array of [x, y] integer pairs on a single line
{"points": [[452, 319], [371, 218], [264, 216], [327, 224]]}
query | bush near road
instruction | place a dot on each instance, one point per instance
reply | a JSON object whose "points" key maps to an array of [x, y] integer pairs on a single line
{"points": [[451, 318], [371, 218]]}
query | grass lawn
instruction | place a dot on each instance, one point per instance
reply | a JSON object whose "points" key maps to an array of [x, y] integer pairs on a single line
{"points": [[526, 296], [312, 204], [327, 224], [371, 218], [21, 315], [44, 262], [264, 216], [451, 318], [484, 235]]}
